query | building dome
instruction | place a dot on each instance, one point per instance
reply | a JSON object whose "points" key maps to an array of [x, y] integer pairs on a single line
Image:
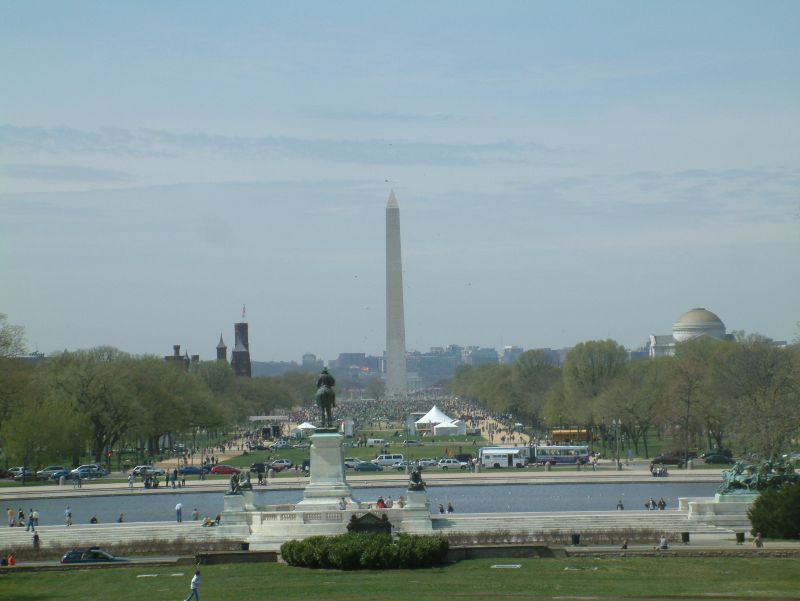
{"points": [[696, 323]]}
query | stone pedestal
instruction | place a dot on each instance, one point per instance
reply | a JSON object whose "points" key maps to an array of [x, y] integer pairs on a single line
{"points": [[416, 514], [327, 485], [235, 516]]}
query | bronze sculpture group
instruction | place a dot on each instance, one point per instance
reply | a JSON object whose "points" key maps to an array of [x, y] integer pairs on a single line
{"points": [[747, 478]]}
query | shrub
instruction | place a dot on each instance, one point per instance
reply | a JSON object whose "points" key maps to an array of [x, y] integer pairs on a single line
{"points": [[366, 551], [776, 513]]}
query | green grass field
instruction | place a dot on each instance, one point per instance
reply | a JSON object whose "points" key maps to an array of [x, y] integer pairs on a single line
{"points": [[698, 579]]}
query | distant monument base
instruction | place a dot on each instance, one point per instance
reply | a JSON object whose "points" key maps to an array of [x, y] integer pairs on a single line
{"points": [[416, 513], [725, 510]]}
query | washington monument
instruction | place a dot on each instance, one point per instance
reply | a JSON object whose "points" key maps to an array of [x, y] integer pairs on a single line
{"points": [[396, 386]]}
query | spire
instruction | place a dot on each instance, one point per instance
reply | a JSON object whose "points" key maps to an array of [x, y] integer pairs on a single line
{"points": [[221, 342], [392, 204]]}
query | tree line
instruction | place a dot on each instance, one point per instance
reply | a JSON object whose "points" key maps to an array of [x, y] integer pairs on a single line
{"points": [[104, 399], [742, 393]]}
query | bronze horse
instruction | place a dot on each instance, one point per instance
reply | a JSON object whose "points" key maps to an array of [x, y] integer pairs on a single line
{"points": [[326, 397]]}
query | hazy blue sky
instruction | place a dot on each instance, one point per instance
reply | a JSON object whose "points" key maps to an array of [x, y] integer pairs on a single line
{"points": [[565, 171]]}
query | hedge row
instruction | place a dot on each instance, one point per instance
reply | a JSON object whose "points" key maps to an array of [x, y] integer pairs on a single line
{"points": [[357, 551]]}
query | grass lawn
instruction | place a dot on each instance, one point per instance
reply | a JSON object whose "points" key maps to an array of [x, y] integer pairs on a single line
{"points": [[603, 579]]}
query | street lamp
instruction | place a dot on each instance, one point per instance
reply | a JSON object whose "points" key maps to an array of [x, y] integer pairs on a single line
{"points": [[617, 423]]}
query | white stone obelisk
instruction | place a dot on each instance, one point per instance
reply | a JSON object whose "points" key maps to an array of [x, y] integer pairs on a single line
{"points": [[396, 385]]}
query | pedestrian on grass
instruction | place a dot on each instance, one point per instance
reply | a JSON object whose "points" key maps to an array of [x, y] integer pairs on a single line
{"points": [[195, 584]]}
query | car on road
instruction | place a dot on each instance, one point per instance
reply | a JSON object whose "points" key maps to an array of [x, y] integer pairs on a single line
{"points": [[89, 555], [17, 472], [403, 465], [351, 462], [225, 469], [66, 474], [281, 444], [281, 464], [429, 462], [410, 443], [193, 470], [452, 463], [147, 470], [47, 472], [367, 466], [260, 467], [718, 460], [88, 472]]}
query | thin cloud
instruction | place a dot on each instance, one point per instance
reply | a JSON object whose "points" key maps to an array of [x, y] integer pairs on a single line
{"points": [[150, 142], [63, 173]]}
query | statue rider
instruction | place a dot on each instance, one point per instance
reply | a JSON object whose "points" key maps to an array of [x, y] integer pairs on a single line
{"points": [[326, 397], [325, 379]]}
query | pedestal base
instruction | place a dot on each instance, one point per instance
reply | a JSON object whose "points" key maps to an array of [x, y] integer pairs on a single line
{"points": [[416, 513], [327, 485]]}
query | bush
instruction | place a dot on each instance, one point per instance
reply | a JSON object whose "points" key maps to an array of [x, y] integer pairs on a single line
{"points": [[366, 551], [776, 513]]}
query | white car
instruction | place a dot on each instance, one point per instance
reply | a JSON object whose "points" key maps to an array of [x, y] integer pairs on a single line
{"points": [[147, 470], [351, 462], [428, 462], [452, 463], [281, 444]]}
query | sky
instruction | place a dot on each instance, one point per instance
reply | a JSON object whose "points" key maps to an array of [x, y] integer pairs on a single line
{"points": [[566, 171]]}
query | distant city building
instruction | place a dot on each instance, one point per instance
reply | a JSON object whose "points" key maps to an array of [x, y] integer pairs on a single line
{"points": [[222, 350], [310, 363], [511, 354], [177, 359], [240, 357], [481, 356]]}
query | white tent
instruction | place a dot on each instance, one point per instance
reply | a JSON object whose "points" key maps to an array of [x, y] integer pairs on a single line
{"points": [[453, 428], [306, 429], [432, 418]]}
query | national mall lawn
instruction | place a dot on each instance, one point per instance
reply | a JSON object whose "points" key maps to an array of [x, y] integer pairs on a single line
{"points": [[718, 578]]}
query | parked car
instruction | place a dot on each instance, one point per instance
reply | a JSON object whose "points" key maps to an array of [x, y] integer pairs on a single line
{"points": [[193, 470], [260, 468], [452, 463], [402, 465], [281, 444], [410, 443], [66, 474], [4, 473], [281, 464], [17, 472], [225, 469], [147, 470], [719, 459], [367, 466], [351, 462], [89, 555], [428, 462], [47, 472], [88, 472]]}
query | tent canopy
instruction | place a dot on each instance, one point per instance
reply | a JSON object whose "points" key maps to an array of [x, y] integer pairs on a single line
{"points": [[306, 426], [454, 428], [434, 416]]}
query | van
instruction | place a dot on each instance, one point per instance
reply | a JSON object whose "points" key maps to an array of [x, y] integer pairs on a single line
{"points": [[388, 460], [376, 442]]}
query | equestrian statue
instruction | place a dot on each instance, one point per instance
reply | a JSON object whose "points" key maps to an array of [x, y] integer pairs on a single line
{"points": [[326, 397]]}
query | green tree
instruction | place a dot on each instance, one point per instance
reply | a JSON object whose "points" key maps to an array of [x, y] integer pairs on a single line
{"points": [[776, 513], [533, 374], [12, 338]]}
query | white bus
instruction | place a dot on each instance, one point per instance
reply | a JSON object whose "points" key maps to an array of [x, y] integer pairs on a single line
{"points": [[504, 456], [568, 454]]}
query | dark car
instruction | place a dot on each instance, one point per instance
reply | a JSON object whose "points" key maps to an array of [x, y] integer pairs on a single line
{"points": [[225, 469], [66, 474], [368, 466], [193, 470], [260, 468], [667, 459], [718, 459], [89, 555]]}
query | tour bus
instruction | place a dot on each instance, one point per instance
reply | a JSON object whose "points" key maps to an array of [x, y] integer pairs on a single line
{"points": [[504, 456], [568, 454]]}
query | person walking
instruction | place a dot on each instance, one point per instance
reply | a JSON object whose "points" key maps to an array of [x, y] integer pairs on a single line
{"points": [[37, 542], [68, 516], [179, 512], [194, 586]]}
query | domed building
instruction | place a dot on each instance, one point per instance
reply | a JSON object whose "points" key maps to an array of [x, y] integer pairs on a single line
{"points": [[693, 324], [696, 323]]}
